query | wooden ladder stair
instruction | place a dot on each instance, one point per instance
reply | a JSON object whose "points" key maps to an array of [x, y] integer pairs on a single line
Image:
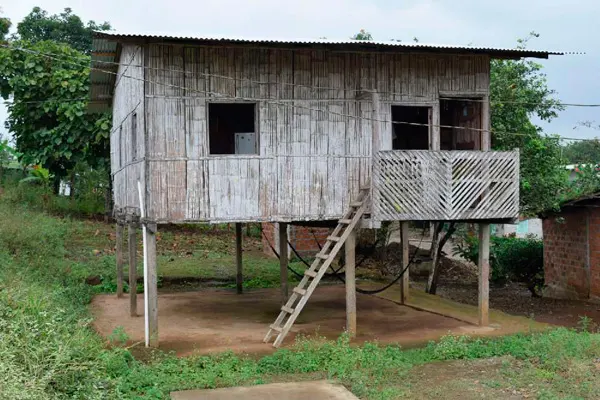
{"points": [[312, 276]]}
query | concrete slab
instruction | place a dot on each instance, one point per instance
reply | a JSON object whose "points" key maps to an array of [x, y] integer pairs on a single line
{"points": [[316, 390]]}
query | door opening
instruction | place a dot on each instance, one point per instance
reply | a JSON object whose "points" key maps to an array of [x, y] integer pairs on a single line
{"points": [[461, 124]]}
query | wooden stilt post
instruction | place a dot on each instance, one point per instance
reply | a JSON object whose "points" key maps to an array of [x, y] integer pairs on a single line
{"points": [[283, 260], [404, 287], [119, 256], [132, 244], [350, 268], [484, 273], [152, 284], [238, 258]]}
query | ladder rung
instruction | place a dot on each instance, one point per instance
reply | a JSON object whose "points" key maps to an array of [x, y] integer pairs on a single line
{"points": [[356, 204], [287, 309], [333, 238], [322, 256], [310, 273], [276, 328], [301, 292], [345, 221]]}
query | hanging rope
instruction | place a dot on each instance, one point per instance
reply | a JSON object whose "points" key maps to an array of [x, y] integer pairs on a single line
{"points": [[396, 279], [277, 254]]}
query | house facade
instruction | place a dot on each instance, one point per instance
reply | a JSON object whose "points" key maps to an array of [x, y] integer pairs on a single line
{"points": [[353, 133], [220, 130]]}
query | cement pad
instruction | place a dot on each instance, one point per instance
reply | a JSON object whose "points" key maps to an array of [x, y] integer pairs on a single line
{"points": [[316, 390]]}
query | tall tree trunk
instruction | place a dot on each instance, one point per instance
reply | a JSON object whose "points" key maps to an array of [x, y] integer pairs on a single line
{"points": [[437, 245]]}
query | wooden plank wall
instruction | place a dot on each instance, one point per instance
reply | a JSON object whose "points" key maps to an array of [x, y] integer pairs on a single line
{"points": [[312, 157], [127, 165]]}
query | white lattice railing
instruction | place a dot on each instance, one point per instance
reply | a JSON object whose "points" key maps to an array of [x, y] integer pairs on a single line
{"points": [[427, 185]]}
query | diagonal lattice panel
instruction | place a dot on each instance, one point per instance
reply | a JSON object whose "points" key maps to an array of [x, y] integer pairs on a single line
{"points": [[445, 185]]}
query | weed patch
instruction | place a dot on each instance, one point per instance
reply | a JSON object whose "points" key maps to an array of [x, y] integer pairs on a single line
{"points": [[48, 349]]}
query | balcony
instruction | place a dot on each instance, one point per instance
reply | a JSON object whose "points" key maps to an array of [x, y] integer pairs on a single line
{"points": [[424, 185]]}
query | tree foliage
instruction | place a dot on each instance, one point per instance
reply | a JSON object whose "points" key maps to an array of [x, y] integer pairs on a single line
{"points": [[583, 152], [66, 27], [362, 35], [47, 114], [4, 28], [519, 91]]}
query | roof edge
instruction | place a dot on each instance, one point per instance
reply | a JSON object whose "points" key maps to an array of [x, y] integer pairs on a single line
{"points": [[364, 45]]}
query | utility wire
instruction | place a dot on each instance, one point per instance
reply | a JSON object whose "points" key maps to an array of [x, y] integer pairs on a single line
{"points": [[85, 63], [294, 105]]}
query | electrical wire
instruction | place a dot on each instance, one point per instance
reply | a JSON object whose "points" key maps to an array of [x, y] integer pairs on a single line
{"points": [[220, 95], [325, 88]]}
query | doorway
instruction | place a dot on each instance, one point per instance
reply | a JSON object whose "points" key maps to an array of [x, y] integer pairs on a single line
{"points": [[461, 124]]}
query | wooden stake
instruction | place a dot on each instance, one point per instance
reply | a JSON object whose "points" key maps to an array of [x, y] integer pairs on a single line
{"points": [[484, 273], [350, 268], [238, 257], [404, 287], [132, 244], [283, 260], [119, 255], [152, 284]]}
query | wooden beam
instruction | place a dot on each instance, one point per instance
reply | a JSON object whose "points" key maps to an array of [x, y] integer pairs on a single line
{"points": [[350, 269], [119, 256], [486, 135], [132, 244], [484, 273], [283, 260], [238, 258], [375, 127], [152, 284], [404, 287]]}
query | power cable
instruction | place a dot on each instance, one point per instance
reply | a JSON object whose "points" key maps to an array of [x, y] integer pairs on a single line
{"points": [[219, 95]]}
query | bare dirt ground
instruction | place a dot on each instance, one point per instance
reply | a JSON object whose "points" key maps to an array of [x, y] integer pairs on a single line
{"points": [[516, 299], [215, 320]]}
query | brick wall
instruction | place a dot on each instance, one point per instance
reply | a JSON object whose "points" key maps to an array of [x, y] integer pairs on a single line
{"points": [[595, 253], [566, 254], [300, 237]]}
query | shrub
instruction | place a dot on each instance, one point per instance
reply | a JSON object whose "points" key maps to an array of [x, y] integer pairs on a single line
{"points": [[511, 258]]}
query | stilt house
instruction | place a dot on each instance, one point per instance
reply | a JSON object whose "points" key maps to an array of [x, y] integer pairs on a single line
{"points": [[300, 131]]}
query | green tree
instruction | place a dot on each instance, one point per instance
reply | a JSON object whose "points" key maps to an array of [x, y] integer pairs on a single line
{"points": [[519, 91], [362, 35], [4, 28], [47, 111], [582, 152], [66, 27]]}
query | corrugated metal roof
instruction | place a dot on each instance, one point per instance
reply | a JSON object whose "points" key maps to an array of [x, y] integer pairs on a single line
{"points": [[105, 52], [363, 44]]}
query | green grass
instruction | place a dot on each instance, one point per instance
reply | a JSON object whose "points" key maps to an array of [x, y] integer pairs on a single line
{"points": [[48, 349]]}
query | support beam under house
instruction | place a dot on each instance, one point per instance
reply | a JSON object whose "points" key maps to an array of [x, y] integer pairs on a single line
{"points": [[132, 244], [239, 279], [350, 270], [484, 273], [283, 261], [119, 256], [152, 288], [404, 283]]}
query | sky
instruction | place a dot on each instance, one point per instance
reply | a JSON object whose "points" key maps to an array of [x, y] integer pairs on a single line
{"points": [[563, 25]]}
